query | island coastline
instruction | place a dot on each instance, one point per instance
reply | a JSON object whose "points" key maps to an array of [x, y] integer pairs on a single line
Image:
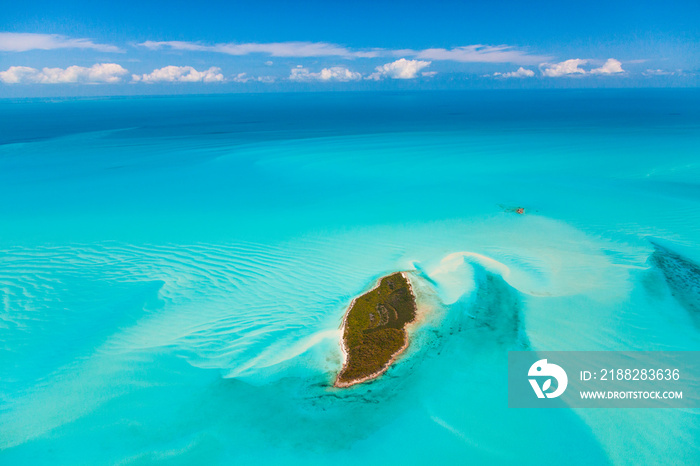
{"points": [[346, 384]]}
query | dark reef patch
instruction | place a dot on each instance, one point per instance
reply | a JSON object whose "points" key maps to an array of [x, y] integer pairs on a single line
{"points": [[682, 277]]}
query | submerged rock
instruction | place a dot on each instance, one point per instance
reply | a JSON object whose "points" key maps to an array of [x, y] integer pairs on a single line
{"points": [[512, 209]]}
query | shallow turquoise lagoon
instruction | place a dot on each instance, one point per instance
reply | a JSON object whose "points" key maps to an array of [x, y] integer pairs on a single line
{"points": [[173, 272]]}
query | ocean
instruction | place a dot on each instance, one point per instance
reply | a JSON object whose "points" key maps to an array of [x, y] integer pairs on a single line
{"points": [[174, 271]]}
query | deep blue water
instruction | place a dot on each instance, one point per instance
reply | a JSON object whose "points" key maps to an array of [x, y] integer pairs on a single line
{"points": [[173, 272]]}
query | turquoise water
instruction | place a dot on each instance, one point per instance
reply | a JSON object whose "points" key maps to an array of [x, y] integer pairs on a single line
{"points": [[173, 272]]}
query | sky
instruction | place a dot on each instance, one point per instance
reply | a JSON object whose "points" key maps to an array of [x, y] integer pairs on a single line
{"points": [[147, 47]]}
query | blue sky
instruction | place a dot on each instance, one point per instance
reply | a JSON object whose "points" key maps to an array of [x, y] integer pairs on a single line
{"points": [[92, 47]]}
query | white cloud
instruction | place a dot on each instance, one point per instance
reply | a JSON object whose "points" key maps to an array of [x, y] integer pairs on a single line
{"points": [[571, 68], [100, 73], [302, 74], [181, 74], [481, 54], [22, 42], [657, 72], [335, 73], [611, 66], [19, 74], [275, 49], [339, 73], [678, 72], [400, 69], [244, 78], [468, 53], [568, 67], [520, 73]]}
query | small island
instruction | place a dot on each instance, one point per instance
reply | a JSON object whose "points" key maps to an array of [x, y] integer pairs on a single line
{"points": [[374, 329]]}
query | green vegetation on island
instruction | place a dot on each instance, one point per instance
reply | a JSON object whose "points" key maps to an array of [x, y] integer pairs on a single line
{"points": [[375, 329]]}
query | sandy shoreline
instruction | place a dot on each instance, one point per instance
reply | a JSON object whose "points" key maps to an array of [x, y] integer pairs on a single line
{"points": [[393, 356]]}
